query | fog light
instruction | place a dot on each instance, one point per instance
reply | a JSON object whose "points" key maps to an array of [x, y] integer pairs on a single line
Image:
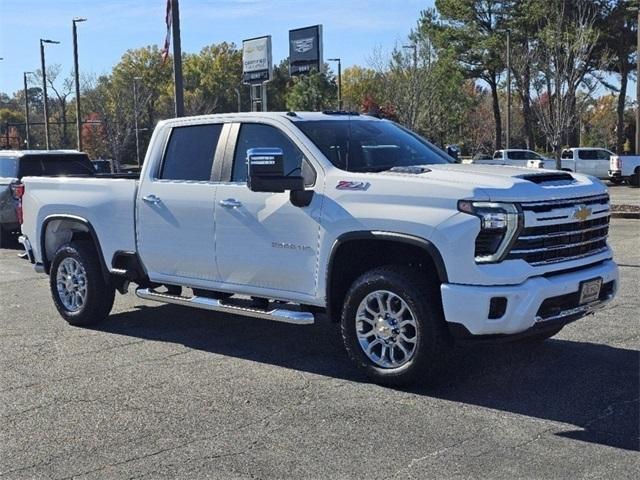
{"points": [[497, 307]]}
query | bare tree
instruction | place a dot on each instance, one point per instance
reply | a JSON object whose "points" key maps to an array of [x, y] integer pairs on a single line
{"points": [[60, 101], [563, 57]]}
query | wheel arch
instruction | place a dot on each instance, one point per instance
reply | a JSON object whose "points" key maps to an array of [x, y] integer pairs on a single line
{"points": [[60, 229], [386, 248]]}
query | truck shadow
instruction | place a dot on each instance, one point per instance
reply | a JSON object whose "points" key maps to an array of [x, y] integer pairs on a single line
{"points": [[590, 386]]}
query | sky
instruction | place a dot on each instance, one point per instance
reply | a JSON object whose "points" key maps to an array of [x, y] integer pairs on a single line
{"points": [[353, 29]]}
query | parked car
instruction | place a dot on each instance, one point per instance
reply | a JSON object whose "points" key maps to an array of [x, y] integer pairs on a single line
{"points": [[516, 158], [15, 164], [625, 168], [590, 161], [286, 216]]}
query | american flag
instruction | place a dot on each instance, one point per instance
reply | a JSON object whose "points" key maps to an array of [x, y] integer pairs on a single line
{"points": [[167, 39]]}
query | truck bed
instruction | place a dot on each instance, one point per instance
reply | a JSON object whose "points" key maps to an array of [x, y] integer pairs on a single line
{"points": [[105, 202]]}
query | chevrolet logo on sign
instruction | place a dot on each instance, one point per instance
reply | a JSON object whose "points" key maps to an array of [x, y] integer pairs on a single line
{"points": [[582, 213]]}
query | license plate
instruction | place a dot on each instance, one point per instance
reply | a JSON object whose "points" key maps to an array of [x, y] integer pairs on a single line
{"points": [[590, 290]]}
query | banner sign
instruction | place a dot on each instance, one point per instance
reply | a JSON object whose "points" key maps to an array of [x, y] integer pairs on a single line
{"points": [[305, 50], [256, 60]]}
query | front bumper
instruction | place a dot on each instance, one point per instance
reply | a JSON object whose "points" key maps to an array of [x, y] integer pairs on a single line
{"points": [[469, 305], [615, 174]]}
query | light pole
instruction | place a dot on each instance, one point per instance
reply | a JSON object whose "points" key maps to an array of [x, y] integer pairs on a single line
{"points": [[77, 78], [135, 116], [339, 80], [508, 88], [239, 99], [638, 86], [44, 90], [26, 107]]}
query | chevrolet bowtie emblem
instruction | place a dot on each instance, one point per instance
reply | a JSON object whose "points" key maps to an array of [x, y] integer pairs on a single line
{"points": [[582, 213]]}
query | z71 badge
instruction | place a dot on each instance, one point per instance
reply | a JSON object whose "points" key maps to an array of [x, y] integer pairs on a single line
{"points": [[349, 185]]}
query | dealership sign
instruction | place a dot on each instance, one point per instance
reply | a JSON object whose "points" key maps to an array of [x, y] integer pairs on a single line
{"points": [[305, 50], [256, 60]]}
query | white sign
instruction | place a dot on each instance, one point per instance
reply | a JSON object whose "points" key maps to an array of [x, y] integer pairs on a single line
{"points": [[256, 60]]}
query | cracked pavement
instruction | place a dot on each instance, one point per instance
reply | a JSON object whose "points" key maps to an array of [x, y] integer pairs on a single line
{"points": [[161, 391]]}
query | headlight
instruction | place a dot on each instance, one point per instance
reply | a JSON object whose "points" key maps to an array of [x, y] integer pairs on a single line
{"points": [[500, 224]]}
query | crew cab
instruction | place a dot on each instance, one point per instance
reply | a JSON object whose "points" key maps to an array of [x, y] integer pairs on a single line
{"points": [[293, 216], [625, 169], [15, 164], [590, 161]]}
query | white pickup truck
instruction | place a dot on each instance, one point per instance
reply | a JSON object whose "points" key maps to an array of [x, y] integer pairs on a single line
{"points": [[288, 216], [625, 169]]}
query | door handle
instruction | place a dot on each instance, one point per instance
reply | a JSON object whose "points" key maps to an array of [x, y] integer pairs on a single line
{"points": [[230, 203], [151, 199]]}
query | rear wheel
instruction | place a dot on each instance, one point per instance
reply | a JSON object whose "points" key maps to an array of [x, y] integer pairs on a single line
{"points": [[5, 237], [78, 287], [392, 326], [634, 180], [616, 180]]}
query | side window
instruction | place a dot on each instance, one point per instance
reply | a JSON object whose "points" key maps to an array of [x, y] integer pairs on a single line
{"points": [[254, 135], [497, 155], [588, 154], [567, 155], [190, 152], [603, 155]]}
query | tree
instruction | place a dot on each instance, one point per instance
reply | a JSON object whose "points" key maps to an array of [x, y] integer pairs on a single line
{"points": [[617, 46], [563, 58], [315, 92], [59, 102], [474, 30]]}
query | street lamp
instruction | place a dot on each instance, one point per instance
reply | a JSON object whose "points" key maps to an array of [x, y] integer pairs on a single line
{"points": [[44, 90], [26, 108], [508, 88], [239, 98], [77, 78], [135, 116], [339, 81]]}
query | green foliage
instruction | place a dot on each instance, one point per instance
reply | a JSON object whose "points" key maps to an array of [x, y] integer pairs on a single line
{"points": [[314, 92]]}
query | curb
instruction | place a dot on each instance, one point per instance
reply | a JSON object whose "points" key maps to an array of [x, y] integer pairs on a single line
{"points": [[631, 215]]}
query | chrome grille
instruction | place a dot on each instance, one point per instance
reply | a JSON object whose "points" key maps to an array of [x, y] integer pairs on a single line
{"points": [[552, 233]]}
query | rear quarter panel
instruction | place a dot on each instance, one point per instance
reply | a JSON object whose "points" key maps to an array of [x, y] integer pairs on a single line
{"points": [[107, 204]]}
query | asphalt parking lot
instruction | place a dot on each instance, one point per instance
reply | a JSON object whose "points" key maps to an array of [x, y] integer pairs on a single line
{"points": [[168, 392]]}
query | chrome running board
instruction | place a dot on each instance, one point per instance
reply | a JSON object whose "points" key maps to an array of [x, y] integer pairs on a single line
{"points": [[205, 303]]}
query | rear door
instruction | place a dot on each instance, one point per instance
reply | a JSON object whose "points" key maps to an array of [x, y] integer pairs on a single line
{"points": [[601, 165], [587, 161], [175, 207]]}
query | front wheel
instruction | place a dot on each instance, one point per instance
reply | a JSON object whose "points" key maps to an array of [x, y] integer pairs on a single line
{"points": [[78, 287], [393, 327], [634, 180]]}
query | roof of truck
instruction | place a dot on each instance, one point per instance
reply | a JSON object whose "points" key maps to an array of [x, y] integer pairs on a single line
{"points": [[292, 116], [22, 153]]}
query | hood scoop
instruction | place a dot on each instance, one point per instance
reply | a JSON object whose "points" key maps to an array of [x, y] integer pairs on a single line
{"points": [[410, 170], [550, 179]]}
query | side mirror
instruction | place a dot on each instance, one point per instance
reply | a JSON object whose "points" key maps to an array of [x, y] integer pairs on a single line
{"points": [[266, 172]]}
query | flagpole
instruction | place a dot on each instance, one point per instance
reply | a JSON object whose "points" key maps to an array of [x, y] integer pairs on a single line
{"points": [[177, 58]]}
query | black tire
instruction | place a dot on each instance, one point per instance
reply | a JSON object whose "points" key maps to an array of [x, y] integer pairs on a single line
{"points": [[4, 237], [99, 294], [634, 180], [538, 338], [422, 297], [616, 180]]}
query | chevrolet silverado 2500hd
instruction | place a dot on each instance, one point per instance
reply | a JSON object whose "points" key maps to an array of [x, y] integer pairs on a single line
{"points": [[286, 216]]}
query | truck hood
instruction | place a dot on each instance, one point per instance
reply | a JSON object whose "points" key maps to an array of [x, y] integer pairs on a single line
{"points": [[503, 183]]}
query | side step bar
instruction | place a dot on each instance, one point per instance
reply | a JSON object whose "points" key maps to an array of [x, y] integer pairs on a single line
{"points": [[277, 314]]}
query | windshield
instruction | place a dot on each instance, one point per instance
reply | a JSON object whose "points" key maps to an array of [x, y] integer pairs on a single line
{"points": [[370, 145]]}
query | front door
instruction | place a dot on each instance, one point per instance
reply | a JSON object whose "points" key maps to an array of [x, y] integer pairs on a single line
{"points": [[262, 239], [175, 226]]}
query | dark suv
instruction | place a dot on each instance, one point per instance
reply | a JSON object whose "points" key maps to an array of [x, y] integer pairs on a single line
{"points": [[15, 164]]}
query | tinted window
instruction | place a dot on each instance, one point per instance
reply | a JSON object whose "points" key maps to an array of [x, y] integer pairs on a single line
{"points": [[497, 155], [253, 135], [8, 166], [603, 155], [588, 154], [190, 152], [523, 155], [567, 154], [370, 145], [55, 165]]}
